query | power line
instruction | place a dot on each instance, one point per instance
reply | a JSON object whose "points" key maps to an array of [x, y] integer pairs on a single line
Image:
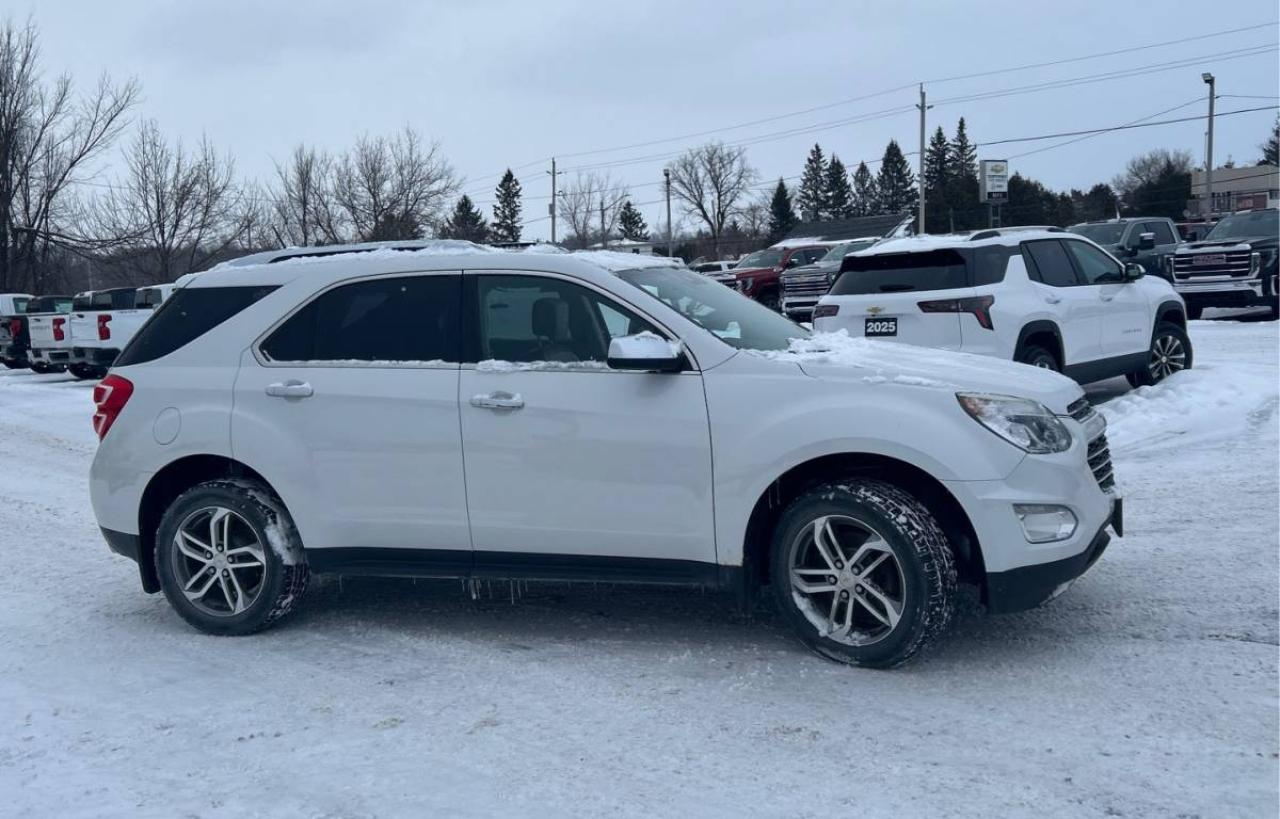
{"points": [[1091, 136], [1123, 127]]}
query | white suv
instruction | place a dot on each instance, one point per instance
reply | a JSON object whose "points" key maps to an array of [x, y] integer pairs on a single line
{"points": [[442, 410], [1039, 296]]}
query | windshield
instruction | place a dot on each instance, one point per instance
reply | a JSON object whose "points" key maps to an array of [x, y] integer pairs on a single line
{"points": [[733, 318], [1108, 233], [761, 258], [838, 252], [1263, 224]]}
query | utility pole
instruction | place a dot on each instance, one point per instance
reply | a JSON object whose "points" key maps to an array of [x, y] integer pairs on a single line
{"points": [[920, 176], [552, 207], [604, 235], [1208, 152], [666, 173]]}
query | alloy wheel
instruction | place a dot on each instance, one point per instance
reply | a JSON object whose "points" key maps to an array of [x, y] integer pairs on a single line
{"points": [[846, 580], [1168, 356], [219, 561]]}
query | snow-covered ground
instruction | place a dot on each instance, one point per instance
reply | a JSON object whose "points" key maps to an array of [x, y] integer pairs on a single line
{"points": [[1150, 689]]}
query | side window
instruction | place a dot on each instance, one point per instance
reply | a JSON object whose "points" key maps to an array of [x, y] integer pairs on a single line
{"points": [[990, 263], [528, 319], [1095, 266], [405, 319], [1049, 263], [188, 314], [1164, 236]]}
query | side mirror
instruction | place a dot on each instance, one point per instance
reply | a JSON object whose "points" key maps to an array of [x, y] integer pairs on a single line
{"points": [[1146, 241], [646, 352], [1133, 272], [792, 263]]}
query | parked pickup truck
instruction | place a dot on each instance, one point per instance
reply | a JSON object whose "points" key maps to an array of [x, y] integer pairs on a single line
{"points": [[49, 333], [803, 286], [23, 329], [1233, 266], [758, 275], [1144, 240], [12, 305], [100, 332]]}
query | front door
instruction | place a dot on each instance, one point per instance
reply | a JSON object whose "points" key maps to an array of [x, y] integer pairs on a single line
{"points": [[573, 469], [350, 409], [1124, 322]]}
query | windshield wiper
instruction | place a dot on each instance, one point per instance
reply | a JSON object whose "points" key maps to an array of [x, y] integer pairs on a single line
{"points": [[895, 288]]}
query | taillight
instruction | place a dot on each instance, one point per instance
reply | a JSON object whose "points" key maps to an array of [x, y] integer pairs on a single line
{"points": [[58, 333], [824, 310], [978, 306], [109, 396], [15, 327], [104, 332]]}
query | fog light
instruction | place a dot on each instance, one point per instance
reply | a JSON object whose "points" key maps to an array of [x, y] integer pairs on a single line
{"points": [[1045, 524]]}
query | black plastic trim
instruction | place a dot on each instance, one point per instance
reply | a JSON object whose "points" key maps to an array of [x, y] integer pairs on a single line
{"points": [[1029, 586], [123, 543], [1089, 371]]}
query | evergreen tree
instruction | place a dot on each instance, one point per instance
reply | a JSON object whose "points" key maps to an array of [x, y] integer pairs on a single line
{"points": [[506, 211], [937, 172], [811, 199], [1098, 203], [632, 223], [864, 192], [465, 223], [782, 217], [895, 183], [1271, 148], [839, 193], [964, 211], [964, 156]]}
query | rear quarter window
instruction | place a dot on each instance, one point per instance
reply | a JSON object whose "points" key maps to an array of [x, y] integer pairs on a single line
{"points": [[901, 272], [188, 314], [990, 263]]}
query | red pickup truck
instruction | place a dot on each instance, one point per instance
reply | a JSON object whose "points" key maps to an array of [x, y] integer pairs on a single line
{"points": [[759, 275]]}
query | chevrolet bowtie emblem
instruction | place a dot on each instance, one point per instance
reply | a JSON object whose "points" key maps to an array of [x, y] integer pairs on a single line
{"points": [[875, 311]]}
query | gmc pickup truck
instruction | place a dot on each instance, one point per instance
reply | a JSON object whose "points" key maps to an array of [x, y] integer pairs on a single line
{"points": [[1144, 240], [1233, 266], [100, 332]]}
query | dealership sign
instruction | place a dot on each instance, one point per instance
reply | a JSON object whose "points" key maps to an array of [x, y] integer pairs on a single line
{"points": [[993, 180]]}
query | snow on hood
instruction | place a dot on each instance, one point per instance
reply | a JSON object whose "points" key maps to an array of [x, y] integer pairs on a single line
{"points": [[839, 355]]}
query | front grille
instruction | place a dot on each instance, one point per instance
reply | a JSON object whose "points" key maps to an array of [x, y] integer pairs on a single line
{"points": [[1191, 266], [1100, 462], [814, 284], [1080, 409]]}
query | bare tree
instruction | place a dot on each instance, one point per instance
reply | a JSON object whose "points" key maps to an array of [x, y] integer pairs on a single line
{"points": [[755, 216], [390, 188], [47, 138], [1150, 168], [709, 181], [302, 206], [175, 210], [591, 205]]}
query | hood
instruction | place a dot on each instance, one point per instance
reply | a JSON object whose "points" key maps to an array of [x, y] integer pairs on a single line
{"points": [[840, 356], [749, 271], [1254, 242], [816, 267]]}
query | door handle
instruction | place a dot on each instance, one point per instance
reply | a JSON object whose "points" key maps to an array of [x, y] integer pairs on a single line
{"points": [[1053, 299], [498, 401], [290, 389], [1106, 297]]}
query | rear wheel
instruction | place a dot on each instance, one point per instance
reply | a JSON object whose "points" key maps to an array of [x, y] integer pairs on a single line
{"points": [[42, 369], [1038, 356], [863, 573], [770, 299], [1170, 353], [14, 365], [81, 371], [229, 558]]}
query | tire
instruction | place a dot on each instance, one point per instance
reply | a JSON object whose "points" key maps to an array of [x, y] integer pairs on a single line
{"points": [[1194, 312], [1038, 356], [905, 551], [80, 371], [1168, 342], [14, 365], [771, 300], [247, 597], [41, 369]]}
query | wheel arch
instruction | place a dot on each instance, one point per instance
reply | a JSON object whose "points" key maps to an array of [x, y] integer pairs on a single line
{"points": [[788, 486], [1045, 333], [1171, 311], [164, 487]]}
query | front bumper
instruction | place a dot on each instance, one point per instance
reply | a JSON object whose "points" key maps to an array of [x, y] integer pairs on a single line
{"points": [[1030, 586], [1229, 293]]}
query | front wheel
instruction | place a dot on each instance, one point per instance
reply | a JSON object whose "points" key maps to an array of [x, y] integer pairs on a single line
{"points": [[229, 558], [1038, 356], [1170, 353], [863, 573]]}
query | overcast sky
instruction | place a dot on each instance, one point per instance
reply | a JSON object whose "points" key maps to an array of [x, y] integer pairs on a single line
{"points": [[503, 84]]}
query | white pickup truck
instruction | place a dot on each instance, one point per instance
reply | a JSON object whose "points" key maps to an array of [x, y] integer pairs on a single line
{"points": [[112, 317], [49, 332], [12, 305]]}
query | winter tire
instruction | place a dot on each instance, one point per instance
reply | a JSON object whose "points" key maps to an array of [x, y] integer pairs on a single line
{"points": [[80, 371], [229, 558], [1170, 353], [42, 369], [14, 365], [1038, 356], [863, 573]]}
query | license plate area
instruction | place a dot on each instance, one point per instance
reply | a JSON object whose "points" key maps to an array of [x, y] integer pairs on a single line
{"points": [[881, 327]]}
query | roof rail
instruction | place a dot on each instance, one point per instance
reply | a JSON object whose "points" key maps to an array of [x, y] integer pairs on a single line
{"points": [[994, 232]]}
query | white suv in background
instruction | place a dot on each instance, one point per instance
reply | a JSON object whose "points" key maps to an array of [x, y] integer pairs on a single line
{"points": [[444, 410], [1039, 296]]}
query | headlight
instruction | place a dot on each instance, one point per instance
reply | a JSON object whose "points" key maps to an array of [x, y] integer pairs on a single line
{"points": [[1026, 424], [1267, 256]]}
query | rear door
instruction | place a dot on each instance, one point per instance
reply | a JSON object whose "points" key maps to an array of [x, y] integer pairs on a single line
{"points": [[1077, 309], [354, 396], [879, 297]]}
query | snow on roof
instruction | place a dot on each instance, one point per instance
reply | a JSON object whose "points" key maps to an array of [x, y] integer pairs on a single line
{"points": [[806, 241]]}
